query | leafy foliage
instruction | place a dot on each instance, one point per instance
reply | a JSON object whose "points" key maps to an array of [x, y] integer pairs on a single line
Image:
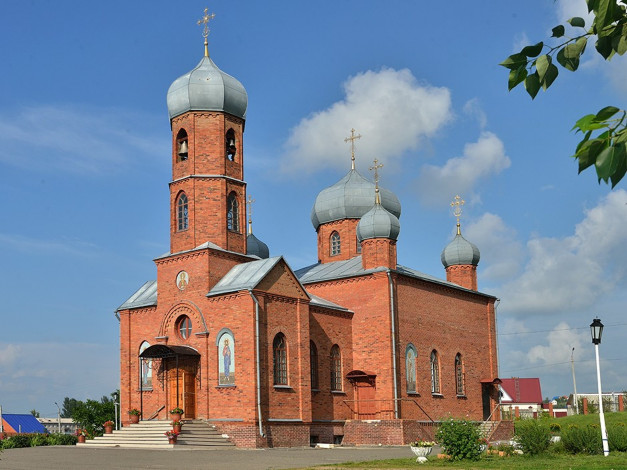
{"points": [[460, 439], [607, 149], [91, 414], [68, 407], [533, 436], [36, 439], [617, 437], [582, 439]]}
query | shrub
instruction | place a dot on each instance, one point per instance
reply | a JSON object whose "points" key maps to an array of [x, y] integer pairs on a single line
{"points": [[17, 441], [57, 439], [582, 439], [533, 436], [39, 440], [555, 427], [460, 439], [617, 437]]}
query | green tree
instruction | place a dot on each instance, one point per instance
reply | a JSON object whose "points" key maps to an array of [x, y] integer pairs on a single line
{"points": [[68, 407], [35, 413], [604, 142], [91, 414]]}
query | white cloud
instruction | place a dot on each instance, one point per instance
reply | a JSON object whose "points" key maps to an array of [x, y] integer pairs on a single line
{"points": [[390, 109], [501, 252], [76, 140], [520, 40], [473, 108], [560, 342], [571, 273], [459, 175], [566, 9]]}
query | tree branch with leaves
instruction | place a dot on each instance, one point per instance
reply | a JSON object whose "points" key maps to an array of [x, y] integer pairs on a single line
{"points": [[604, 142]]}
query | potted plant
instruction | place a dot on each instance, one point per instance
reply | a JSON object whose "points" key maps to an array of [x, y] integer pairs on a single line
{"points": [[176, 413], [81, 434], [108, 427], [172, 434], [176, 426], [483, 444], [421, 449], [134, 415]]}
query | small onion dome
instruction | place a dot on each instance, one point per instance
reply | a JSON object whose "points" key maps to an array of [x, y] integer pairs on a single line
{"points": [[460, 251], [350, 198], [256, 247], [207, 88], [378, 223]]}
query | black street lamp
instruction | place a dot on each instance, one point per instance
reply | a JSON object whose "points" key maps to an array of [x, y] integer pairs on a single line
{"points": [[596, 329]]}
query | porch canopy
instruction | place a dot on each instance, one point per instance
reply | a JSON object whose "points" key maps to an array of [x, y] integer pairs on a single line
{"points": [[161, 351]]}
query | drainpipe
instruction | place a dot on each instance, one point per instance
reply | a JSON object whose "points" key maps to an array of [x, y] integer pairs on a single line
{"points": [[257, 362], [393, 320]]}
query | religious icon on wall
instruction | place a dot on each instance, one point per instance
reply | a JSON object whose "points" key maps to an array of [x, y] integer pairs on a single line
{"points": [[226, 362], [146, 367], [182, 279], [410, 369]]}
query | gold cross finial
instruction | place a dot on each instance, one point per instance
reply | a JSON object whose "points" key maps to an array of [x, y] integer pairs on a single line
{"points": [[457, 204], [249, 203], [352, 140], [205, 31], [376, 167]]}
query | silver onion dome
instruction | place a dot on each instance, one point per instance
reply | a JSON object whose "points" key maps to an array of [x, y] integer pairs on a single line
{"points": [[460, 251], [207, 88], [378, 223]]}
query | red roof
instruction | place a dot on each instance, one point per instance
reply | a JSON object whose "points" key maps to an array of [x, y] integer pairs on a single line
{"points": [[522, 390]]}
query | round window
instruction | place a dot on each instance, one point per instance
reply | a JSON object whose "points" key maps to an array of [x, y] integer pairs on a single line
{"points": [[184, 326]]}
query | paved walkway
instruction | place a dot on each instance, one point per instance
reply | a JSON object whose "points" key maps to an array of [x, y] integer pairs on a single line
{"points": [[71, 458]]}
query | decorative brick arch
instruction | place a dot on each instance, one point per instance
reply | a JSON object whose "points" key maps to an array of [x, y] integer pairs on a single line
{"points": [[182, 308]]}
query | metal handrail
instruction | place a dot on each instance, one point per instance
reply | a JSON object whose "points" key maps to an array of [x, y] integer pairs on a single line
{"points": [[154, 415]]}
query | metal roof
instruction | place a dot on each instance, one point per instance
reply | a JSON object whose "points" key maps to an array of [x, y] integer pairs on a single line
{"points": [[521, 390], [146, 296], [160, 351], [256, 247], [378, 223], [460, 251], [319, 301], [207, 88], [353, 267], [204, 246], [23, 423], [244, 276]]}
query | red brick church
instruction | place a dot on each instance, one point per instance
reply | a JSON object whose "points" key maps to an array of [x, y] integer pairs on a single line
{"points": [[355, 348]]}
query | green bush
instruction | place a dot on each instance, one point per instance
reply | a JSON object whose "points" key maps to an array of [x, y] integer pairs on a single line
{"points": [[39, 440], [533, 436], [460, 439], [17, 441], [57, 439], [582, 439], [617, 437], [555, 427]]}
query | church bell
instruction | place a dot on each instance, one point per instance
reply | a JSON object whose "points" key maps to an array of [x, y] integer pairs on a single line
{"points": [[183, 149]]}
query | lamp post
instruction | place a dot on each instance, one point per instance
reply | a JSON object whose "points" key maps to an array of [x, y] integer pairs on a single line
{"points": [[596, 329]]}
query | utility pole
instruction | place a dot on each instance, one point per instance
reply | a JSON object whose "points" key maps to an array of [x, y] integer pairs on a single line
{"points": [[572, 366], [58, 416]]}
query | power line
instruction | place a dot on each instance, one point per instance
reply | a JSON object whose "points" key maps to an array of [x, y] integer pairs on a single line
{"points": [[558, 329], [555, 364]]}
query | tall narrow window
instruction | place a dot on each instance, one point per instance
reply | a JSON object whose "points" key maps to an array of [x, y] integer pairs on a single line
{"points": [[313, 364], [358, 244], [410, 368], [279, 347], [232, 213], [459, 375], [230, 145], [335, 244], [181, 146], [336, 368], [184, 326], [146, 368], [182, 214], [435, 372]]}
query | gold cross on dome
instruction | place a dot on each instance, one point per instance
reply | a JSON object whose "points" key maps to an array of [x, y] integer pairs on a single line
{"points": [[205, 31], [376, 167], [457, 204], [352, 140], [249, 203]]}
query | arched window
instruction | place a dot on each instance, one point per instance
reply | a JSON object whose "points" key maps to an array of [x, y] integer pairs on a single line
{"points": [[459, 375], [279, 347], [435, 372], [313, 364], [182, 213], [335, 244], [336, 368], [146, 368], [230, 145], [184, 326], [181, 146], [410, 368], [232, 213]]}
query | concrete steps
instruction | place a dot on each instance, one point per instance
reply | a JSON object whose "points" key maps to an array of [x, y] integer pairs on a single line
{"points": [[150, 435]]}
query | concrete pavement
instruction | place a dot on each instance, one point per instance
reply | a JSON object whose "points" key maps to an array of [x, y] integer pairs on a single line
{"points": [[71, 457]]}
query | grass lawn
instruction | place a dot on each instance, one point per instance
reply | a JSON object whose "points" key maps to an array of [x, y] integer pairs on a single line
{"points": [[616, 461]]}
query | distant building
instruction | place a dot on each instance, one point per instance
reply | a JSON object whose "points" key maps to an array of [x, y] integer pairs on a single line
{"points": [[522, 393], [63, 425], [18, 424]]}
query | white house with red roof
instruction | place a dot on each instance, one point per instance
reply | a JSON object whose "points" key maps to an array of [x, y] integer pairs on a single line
{"points": [[522, 393]]}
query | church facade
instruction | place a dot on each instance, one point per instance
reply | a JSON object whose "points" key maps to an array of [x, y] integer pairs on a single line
{"points": [[355, 348]]}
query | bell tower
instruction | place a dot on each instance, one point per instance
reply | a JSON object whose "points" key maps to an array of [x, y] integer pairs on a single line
{"points": [[207, 110]]}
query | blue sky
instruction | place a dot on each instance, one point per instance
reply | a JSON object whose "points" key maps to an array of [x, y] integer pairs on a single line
{"points": [[85, 165]]}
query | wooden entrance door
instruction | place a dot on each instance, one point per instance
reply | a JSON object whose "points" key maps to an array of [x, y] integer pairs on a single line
{"points": [[366, 404], [186, 392]]}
